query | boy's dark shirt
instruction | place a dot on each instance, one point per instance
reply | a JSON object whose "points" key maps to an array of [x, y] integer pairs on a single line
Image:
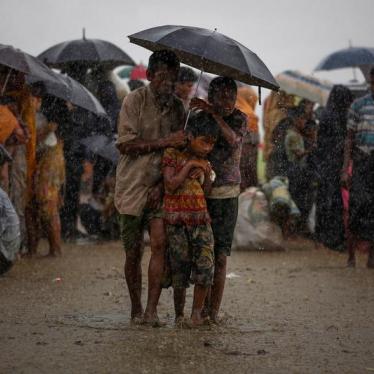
{"points": [[225, 158]]}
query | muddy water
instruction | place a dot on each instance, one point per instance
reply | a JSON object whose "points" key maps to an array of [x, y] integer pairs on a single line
{"points": [[299, 311]]}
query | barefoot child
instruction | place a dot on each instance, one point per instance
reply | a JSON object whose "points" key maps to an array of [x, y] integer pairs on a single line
{"points": [[187, 174]]}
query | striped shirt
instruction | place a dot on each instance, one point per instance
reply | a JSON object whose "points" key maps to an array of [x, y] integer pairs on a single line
{"points": [[361, 122]]}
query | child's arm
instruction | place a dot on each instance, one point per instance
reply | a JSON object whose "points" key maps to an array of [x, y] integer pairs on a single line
{"points": [[173, 180]]}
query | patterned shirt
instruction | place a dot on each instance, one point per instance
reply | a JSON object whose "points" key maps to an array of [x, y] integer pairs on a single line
{"points": [[187, 204], [361, 122], [225, 158]]}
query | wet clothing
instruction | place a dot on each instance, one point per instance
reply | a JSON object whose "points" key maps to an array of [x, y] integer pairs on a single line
{"points": [[8, 123], [186, 205], [329, 162], [246, 102], [225, 158], [132, 227], [10, 235], [191, 255], [141, 117], [223, 213], [361, 122], [361, 198]]}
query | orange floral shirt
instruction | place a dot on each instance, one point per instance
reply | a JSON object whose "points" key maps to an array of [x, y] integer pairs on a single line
{"points": [[187, 204]]}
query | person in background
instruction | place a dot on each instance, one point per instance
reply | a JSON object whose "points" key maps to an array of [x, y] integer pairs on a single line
{"points": [[329, 159], [48, 181], [151, 119], [246, 102], [276, 107], [297, 163], [359, 148], [185, 84], [225, 159]]}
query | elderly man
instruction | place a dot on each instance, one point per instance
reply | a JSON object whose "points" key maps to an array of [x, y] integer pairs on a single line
{"points": [[150, 120]]}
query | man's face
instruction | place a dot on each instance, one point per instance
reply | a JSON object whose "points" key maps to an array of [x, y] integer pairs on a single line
{"points": [[223, 101], [163, 80], [183, 89]]}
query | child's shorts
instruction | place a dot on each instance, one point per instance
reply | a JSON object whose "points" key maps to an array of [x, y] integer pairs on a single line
{"points": [[191, 255]]}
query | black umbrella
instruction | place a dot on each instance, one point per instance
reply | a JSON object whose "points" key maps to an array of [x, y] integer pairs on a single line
{"points": [[208, 51], [21, 61], [361, 57], [74, 92], [89, 53]]}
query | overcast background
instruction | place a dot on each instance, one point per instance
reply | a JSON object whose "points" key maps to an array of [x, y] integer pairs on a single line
{"points": [[286, 34]]}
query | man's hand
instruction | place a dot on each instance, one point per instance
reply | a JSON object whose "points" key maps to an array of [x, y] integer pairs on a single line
{"points": [[176, 139], [155, 196], [199, 104]]}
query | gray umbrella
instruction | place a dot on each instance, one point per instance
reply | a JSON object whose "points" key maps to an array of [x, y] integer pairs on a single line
{"points": [[21, 61], [208, 51], [361, 57], [70, 90], [86, 52]]}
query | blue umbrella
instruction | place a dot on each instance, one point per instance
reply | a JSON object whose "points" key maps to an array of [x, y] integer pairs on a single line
{"points": [[361, 57]]}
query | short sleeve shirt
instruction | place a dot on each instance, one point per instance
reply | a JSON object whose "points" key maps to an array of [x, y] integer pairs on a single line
{"points": [[142, 118], [361, 122], [225, 158]]}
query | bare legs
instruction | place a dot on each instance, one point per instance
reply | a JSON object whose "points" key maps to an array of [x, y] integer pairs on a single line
{"points": [[156, 267], [353, 241]]}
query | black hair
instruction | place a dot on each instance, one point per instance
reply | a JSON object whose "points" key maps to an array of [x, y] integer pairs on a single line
{"points": [[202, 124], [296, 112], [161, 57], [38, 89], [219, 83], [6, 100], [372, 72], [186, 75], [340, 98]]}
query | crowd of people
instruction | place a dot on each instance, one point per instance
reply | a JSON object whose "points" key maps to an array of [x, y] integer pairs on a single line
{"points": [[183, 162], [326, 159]]}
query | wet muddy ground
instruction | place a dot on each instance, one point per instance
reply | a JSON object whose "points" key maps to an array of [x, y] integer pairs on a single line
{"points": [[299, 311]]}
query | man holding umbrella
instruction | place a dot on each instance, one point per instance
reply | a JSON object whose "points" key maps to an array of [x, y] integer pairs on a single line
{"points": [[149, 121]]}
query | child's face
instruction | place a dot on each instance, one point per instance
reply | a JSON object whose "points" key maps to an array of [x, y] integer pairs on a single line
{"points": [[223, 101], [184, 89], [201, 146], [163, 80], [300, 122]]}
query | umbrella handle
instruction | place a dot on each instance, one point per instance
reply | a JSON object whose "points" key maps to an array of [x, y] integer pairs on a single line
{"points": [[6, 81], [189, 110]]}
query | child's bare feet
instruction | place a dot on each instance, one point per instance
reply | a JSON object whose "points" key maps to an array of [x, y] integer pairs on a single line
{"points": [[196, 319], [152, 321], [182, 322], [351, 263]]}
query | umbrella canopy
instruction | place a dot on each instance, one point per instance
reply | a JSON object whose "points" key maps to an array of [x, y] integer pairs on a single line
{"points": [[70, 90], [305, 86], [21, 61], [208, 51], [87, 52], [361, 57], [103, 146]]}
